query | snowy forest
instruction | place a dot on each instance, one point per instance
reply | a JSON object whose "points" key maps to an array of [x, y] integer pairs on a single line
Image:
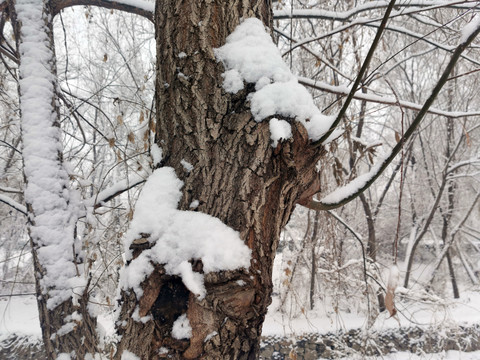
{"points": [[243, 179]]}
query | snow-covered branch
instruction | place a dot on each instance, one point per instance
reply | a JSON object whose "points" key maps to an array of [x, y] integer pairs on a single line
{"points": [[376, 22], [372, 5], [460, 164], [10, 190], [139, 7], [13, 204], [387, 100], [114, 191]]}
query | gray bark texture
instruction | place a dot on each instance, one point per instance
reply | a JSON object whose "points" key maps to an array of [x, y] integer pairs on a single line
{"points": [[237, 177]]}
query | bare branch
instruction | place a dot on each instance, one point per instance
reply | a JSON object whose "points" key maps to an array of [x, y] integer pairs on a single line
{"points": [[360, 75], [10, 146], [359, 239]]}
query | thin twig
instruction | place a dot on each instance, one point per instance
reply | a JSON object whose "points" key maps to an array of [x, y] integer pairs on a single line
{"points": [[360, 75]]}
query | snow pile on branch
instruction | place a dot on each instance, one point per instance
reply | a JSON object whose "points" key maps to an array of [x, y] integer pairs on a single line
{"points": [[47, 181], [141, 4], [178, 237], [250, 56], [354, 186], [470, 28]]}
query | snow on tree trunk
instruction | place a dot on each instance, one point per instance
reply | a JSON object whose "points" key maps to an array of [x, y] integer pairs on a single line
{"points": [[230, 170], [51, 206]]}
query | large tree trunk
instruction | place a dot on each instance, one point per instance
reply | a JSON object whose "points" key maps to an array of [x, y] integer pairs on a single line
{"points": [[66, 327], [237, 177]]}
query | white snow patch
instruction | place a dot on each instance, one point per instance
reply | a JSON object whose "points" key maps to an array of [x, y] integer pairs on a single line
{"points": [[279, 129], [20, 316], [250, 55], [157, 154], [181, 328], [127, 355], [181, 75], [186, 165], [96, 356], [178, 236], [64, 330], [112, 190], [470, 28], [64, 356], [393, 277], [209, 336], [446, 355], [136, 316], [232, 81], [182, 55], [194, 204]]}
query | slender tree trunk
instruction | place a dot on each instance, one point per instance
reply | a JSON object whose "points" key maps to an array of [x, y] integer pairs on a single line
{"points": [[313, 267], [372, 240], [62, 330], [448, 213], [453, 278], [237, 176]]}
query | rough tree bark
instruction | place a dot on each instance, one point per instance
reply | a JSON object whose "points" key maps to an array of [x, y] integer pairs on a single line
{"points": [[237, 177]]}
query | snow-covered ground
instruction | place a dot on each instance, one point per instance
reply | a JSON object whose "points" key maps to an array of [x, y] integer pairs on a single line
{"points": [[447, 355], [464, 311], [19, 315]]}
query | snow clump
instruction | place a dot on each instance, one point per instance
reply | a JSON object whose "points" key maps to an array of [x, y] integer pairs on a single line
{"points": [[181, 328], [279, 129], [127, 355], [178, 237], [250, 56]]}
